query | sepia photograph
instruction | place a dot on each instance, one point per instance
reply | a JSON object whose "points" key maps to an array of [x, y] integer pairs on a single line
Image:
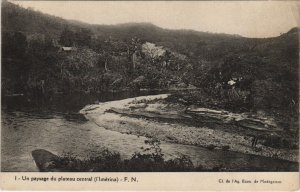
{"points": [[149, 86]]}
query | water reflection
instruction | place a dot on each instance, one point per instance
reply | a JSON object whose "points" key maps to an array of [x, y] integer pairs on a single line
{"points": [[54, 124], [64, 104]]}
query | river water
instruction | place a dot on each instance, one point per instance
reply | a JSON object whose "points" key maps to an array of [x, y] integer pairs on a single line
{"points": [[55, 125]]}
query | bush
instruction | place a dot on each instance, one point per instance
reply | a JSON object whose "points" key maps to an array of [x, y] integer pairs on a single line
{"points": [[150, 159], [232, 99]]}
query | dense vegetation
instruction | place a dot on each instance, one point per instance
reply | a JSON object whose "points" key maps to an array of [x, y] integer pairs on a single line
{"points": [[151, 159], [148, 159], [233, 72]]}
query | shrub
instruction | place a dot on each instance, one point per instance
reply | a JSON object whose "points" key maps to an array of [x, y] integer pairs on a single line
{"points": [[150, 159]]}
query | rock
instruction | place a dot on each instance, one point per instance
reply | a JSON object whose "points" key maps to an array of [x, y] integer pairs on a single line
{"points": [[178, 86], [225, 148], [258, 149], [170, 138], [44, 160], [138, 80], [192, 87], [211, 147]]}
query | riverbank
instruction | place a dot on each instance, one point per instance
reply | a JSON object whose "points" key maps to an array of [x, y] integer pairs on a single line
{"points": [[153, 116]]}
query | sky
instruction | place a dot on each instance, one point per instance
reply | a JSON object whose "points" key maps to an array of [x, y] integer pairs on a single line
{"points": [[246, 18]]}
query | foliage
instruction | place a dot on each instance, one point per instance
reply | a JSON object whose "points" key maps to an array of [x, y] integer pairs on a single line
{"points": [[67, 38], [81, 37], [151, 159], [264, 71], [216, 99]]}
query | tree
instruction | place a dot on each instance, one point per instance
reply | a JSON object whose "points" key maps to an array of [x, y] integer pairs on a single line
{"points": [[133, 48], [13, 45], [152, 51], [83, 37], [79, 70], [67, 38]]}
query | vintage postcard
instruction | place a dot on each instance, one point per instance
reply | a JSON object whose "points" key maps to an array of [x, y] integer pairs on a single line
{"points": [[150, 95]]}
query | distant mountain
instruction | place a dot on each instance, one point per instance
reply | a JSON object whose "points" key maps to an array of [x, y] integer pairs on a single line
{"points": [[204, 45], [190, 42], [16, 18]]}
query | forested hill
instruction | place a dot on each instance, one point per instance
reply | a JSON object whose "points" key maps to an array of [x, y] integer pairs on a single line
{"points": [[28, 21], [230, 69], [16, 18]]}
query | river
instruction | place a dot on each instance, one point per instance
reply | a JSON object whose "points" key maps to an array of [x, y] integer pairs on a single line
{"points": [[55, 125]]}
